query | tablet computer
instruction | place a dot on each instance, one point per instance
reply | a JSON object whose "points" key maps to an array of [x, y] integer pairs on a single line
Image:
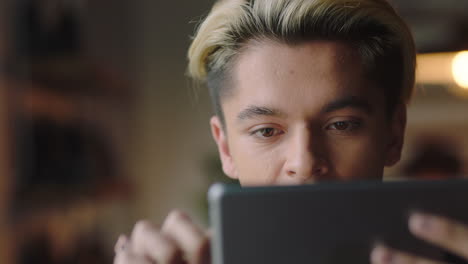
{"points": [[326, 223]]}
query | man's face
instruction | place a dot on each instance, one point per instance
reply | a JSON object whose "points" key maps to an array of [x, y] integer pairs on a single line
{"points": [[305, 113]]}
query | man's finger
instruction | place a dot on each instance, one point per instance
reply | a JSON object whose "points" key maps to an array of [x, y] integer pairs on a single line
{"points": [[190, 238], [384, 255], [121, 243], [442, 232], [126, 256], [147, 241]]}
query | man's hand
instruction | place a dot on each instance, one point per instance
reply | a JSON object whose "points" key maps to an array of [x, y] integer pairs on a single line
{"points": [[445, 233], [179, 241]]}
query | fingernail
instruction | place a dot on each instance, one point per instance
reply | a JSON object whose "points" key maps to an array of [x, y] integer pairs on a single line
{"points": [[419, 222], [381, 254], [120, 244]]}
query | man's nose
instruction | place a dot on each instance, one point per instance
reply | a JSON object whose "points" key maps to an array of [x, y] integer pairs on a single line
{"points": [[306, 162]]}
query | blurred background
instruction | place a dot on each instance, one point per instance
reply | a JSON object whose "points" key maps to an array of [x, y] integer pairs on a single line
{"points": [[100, 127]]}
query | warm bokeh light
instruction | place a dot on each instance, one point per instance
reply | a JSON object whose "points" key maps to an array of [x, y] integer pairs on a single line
{"points": [[445, 68], [460, 69], [435, 68]]}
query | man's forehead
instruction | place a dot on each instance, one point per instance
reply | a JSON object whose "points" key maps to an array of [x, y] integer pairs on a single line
{"points": [[341, 52], [306, 64], [267, 84]]}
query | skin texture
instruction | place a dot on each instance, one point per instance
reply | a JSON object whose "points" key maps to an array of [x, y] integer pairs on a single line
{"points": [[298, 114]]}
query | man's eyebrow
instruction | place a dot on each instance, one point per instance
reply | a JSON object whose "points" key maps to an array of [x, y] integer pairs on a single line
{"points": [[348, 102], [253, 111]]}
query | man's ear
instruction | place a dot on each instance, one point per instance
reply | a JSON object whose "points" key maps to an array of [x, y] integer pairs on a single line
{"points": [[397, 136], [220, 138]]}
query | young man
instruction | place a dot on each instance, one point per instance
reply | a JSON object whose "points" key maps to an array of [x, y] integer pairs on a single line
{"points": [[304, 91]]}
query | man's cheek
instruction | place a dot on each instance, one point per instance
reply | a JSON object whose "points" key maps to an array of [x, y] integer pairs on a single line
{"points": [[260, 169], [357, 160]]}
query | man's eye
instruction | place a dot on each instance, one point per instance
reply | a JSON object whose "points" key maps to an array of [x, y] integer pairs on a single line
{"points": [[266, 132], [344, 125]]}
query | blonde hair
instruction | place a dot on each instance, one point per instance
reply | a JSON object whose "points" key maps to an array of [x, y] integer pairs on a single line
{"points": [[372, 26]]}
